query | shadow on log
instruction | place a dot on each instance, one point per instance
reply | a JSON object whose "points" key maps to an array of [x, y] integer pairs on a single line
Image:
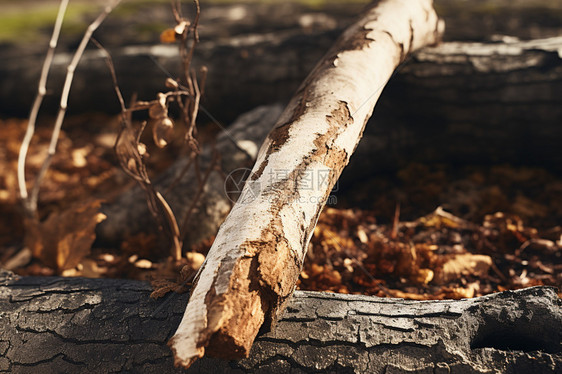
{"points": [[93, 325]]}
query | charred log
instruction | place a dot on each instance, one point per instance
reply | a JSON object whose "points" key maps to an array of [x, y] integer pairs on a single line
{"points": [[95, 325]]}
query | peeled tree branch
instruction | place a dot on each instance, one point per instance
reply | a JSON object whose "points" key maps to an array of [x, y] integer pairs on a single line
{"points": [[252, 268]]}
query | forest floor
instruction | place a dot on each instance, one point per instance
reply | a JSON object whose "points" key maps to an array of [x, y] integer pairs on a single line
{"points": [[423, 232]]}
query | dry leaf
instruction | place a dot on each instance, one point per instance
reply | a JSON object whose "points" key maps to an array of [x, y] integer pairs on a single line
{"points": [[457, 293], [86, 268], [163, 131], [162, 286], [65, 238], [423, 276], [128, 151], [440, 218], [79, 155], [168, 36], [463, 264], [406, 295], [194, 260]]}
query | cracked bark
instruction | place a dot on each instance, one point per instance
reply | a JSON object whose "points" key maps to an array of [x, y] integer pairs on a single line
{"points": [[252, 268], [94, 325]]}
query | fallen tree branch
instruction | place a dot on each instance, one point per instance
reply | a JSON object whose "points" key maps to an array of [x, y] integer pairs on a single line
{"points": [[254, 263], [68, 324]]}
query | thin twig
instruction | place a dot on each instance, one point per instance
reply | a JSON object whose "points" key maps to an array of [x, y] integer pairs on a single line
{"points": [[193, 27], [156, 201], [189, 136], [173, 226], [41, 91], [64, 100], [111, 67]]}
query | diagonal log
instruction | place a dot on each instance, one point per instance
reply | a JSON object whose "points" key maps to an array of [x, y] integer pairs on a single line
{"points": [[253, 265]]}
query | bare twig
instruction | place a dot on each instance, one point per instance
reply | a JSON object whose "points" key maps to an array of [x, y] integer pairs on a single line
{"points": [[41, 91], [195, 33], [129, 150], [194, 111], [173, 226], [64, 100], [111, 66], [156, 202]]}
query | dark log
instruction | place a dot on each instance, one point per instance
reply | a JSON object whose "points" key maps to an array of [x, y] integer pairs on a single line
{"points": [[93, 325], [256, 54], [463, 103]]}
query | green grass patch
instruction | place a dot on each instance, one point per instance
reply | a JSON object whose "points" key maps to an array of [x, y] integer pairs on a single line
{"points": [[28, 23], [27, 20]]}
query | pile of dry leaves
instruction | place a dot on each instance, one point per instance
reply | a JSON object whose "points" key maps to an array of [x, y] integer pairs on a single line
{"points": [[438, 256]]}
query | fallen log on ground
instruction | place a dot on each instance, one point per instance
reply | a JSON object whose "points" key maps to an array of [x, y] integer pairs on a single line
{"points": [[461, 99], [269, 49], [77, 325], [251, 270], [470, 103]]}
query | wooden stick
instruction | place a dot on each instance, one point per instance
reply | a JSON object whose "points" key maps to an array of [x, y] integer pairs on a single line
{"points": [[31, 210], [34, 195], [254, 263]]}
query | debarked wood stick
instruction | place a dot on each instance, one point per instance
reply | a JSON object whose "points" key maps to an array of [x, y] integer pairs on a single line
{"points": [[253, 266]]}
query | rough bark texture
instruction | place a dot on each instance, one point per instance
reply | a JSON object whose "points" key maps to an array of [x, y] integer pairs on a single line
{"points": [[252, 268], [101, 326]]}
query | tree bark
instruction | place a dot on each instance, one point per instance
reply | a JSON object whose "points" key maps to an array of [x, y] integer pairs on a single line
{"points": [[107, 325], [469, 103], [251, 270]]}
